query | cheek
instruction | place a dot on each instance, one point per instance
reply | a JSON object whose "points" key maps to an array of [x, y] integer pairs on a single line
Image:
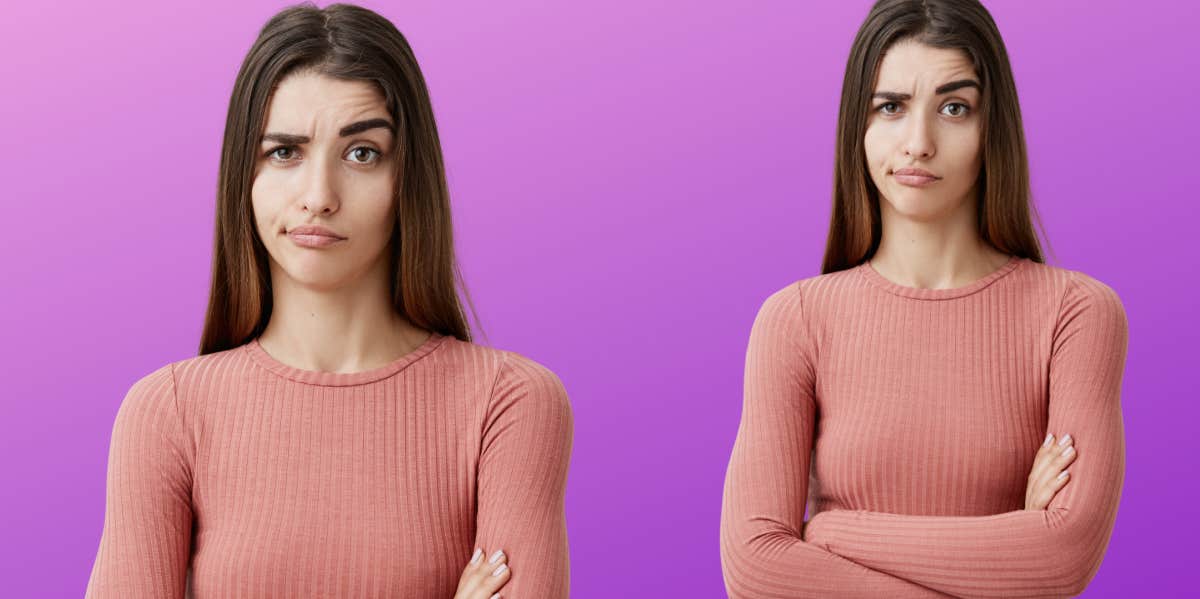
{"points": [[876, 146], [265, 197], [967, 154]]}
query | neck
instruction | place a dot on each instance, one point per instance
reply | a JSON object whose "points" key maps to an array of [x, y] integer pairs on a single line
{"points": [[936, 254], [350, 328]]}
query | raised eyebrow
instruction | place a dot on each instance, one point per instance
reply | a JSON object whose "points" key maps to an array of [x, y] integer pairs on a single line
{"points": [[348, 130], [942, 89]]}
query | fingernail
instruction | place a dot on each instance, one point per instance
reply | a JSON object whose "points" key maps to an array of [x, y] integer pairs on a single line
{"points": [[1062, 475], [1049, 438], [500, 570], [1068, 451], [1066, 439], [495, 556], [496, 596], [476, 556]]}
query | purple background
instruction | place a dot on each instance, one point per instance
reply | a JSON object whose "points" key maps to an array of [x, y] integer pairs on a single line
{"points": [[630, 180]]}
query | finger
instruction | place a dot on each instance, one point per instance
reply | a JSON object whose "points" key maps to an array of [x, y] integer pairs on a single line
{"points": [[1041, 459], [1064, 457], [492, 579], [1059, 475], [1047, 494], [1057, 464], [1060, 481], [1048, 463], [495, 572], [484, 575], [470, 582]]}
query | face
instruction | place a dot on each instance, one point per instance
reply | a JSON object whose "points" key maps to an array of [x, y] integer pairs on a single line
{"points": [[924, 115], [325, 160]]}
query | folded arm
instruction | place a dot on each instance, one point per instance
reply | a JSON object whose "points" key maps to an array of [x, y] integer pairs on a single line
{"points": [[1040, 553], [763, 553], [522, 479], [145, 544]]}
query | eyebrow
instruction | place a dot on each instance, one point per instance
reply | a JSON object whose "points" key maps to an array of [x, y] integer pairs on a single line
{"points": [[944, 89], [348, 130]]}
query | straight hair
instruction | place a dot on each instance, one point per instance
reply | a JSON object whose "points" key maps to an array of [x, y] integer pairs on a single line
{"points": [[355, 44], [1004, 198]]}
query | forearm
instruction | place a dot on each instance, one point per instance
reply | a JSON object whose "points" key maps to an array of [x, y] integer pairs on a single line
{"points": [[781, 565], [1016, 554]]}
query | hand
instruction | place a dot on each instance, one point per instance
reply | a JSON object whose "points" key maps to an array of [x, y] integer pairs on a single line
{"points": [[483, 578], [1049, 474]]}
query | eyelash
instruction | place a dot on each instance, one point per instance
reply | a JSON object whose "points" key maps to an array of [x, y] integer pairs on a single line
{"points": [[966, 109], [378, 154]]}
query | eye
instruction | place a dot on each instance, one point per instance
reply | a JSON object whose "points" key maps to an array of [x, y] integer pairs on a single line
{"points": [[962, 110], [883, 107], [373, 150], [273, 154]]}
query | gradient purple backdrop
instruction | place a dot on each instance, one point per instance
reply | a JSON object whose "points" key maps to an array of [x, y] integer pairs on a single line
{"points": [[629, 180]]}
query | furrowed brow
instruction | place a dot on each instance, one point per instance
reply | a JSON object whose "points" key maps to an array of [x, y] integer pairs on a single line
{"points": [[348, 130]]}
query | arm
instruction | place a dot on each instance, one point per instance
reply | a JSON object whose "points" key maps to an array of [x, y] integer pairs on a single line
{"points": [[145, 544], [522, 478], [766, 486], [1050, 552]]}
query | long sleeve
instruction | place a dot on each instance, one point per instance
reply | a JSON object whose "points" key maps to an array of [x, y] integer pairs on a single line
{"points": [[146, 538], [522, 479], [1042, 553], [763, 553]]}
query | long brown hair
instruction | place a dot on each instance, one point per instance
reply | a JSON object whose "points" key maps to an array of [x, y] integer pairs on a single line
{"points": [[350, 43], [1004, 200]]}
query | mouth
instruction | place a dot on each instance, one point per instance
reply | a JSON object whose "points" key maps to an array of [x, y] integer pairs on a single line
{"points": [[313, 241], [915, 177], [313, 231]]}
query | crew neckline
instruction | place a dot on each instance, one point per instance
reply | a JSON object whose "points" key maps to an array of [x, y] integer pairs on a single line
{"points": [[340, 379], [869, 273]]}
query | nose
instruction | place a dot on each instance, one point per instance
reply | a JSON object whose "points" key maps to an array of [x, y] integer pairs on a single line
{"points": [[918, 141], [320, 193]]}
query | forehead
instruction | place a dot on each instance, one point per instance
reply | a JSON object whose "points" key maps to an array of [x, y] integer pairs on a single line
{"points": [[304, 101], [910, 65]]}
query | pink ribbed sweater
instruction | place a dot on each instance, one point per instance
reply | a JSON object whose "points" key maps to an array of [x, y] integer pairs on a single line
{"points": [[925, 409], [272, 481]]}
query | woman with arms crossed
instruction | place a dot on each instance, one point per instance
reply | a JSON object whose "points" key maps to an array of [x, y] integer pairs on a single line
{"points": [[339, 435], [938, 373]]}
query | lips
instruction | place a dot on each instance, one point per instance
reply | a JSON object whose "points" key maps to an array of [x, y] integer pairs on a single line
{"points": [[314, 231], [914, 177], [914, 172]]}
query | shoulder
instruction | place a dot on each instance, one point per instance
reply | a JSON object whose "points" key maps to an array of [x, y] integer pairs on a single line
{"points": [[510, 374], [149, 406], [812, 293], [1091, 308], [792, 305], [152, 391], [524, 377], [1070, 286], [527, 396], [1089, 297]]}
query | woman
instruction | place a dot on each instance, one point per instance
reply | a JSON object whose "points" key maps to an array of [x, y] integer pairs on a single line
{"points": [[339, 434], [932, 357]]}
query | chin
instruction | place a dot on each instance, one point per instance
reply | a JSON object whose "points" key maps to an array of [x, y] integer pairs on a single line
{"points": [[918, 204]]}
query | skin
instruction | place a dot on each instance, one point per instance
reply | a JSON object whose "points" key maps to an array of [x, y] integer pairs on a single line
{"points": [[483, 578], [929, 237], [332, 306]]}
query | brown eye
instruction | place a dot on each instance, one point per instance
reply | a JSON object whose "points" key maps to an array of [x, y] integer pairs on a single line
{"points": [[963, 108], [274, 153], [357, 153]]}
